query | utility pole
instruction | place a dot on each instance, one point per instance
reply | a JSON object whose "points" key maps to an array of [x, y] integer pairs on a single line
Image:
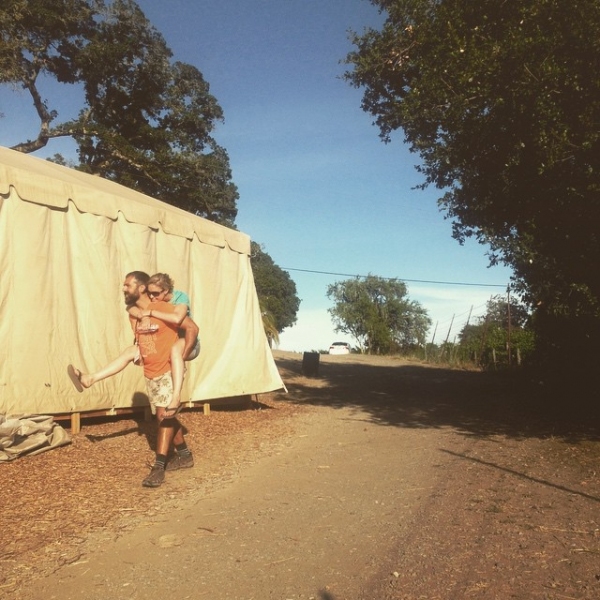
{"points": [[434, 332], [508, 342], [449, 330], [485, 328], [447, 337], [469, 317]]}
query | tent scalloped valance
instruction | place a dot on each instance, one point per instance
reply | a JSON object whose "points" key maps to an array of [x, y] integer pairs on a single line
{"points": [[46, 183]]}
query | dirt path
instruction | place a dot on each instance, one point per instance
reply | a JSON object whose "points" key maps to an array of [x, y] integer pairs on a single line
{"points": [[397, 482], [312, 516]]}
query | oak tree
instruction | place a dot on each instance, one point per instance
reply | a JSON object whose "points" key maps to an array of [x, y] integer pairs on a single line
{"points": [[378, 314], [501, 102], [145, 121], [276, 290]]}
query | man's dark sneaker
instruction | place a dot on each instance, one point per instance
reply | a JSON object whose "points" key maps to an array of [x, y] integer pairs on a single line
{"points": [[155, 477], [180, 462]]}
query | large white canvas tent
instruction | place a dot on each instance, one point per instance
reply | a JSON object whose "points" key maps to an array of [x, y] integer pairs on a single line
{"points": [[67, 240]]}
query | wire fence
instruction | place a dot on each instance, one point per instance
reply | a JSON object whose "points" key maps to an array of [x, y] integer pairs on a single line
{"points": [[449, 330]]}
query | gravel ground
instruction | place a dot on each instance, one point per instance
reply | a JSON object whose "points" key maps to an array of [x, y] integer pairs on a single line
{"points": [[379, 479]]}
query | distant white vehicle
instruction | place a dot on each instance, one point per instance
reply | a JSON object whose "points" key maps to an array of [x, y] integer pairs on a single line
{"points": [[339, 348]]}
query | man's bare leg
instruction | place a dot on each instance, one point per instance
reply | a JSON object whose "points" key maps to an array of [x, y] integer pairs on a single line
{"points": [[170, 432]]}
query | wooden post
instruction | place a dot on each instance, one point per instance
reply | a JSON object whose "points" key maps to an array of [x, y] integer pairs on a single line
{"points": [[508, 343], [434, 332], [447, 337], [449, 330], [75, 423], [485, 326]]}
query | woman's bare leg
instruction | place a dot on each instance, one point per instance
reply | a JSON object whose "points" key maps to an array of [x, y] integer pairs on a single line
{"points": [[116, 366], [177, 371]]}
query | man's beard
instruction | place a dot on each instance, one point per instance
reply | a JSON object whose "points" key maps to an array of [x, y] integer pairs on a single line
{"points": [[130, 299]]}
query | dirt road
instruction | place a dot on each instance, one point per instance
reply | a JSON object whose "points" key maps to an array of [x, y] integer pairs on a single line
{"points": [[397, 481]]}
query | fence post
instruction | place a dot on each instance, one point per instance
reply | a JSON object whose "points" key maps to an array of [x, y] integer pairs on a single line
{"points": [[508, 344], [446, 342]]}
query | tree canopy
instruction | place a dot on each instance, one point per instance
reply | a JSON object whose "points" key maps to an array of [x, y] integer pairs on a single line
{"points": [[277, 296], [378, 314], [501, 101], [503, 336], [146, 122]]}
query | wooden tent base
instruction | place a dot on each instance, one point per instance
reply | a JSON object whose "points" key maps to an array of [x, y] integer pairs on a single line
{"points": [[75, 418]]}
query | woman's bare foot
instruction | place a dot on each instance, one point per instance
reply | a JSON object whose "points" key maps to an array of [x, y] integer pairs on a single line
{"points": [[172, 411], [80, 380]]}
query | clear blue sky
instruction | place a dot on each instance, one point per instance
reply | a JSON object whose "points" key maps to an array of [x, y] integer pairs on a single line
{"points": [[318, 189]]}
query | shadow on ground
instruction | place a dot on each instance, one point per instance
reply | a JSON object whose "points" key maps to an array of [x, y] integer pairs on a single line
{"points": [[474, 403], [145, 428]]}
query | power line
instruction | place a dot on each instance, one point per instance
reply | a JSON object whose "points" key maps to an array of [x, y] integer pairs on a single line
{"points": [[499, 285]]}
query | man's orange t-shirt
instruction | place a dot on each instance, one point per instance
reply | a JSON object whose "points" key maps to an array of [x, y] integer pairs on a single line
{"points": [[155, 339]]}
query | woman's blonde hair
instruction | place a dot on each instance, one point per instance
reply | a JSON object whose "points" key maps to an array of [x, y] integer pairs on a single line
{"points": [[163, 281]]}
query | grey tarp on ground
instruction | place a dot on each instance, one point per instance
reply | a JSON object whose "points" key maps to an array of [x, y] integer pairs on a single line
{"points": [[29, 435]]}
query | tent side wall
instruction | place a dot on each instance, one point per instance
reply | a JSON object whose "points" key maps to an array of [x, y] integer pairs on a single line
{"points": [[61, 274]]}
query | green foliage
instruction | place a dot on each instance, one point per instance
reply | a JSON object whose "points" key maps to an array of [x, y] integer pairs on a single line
{"points": [[501, 101], [146, 122], [270, 327], [377, 313], [504, 328], [503, 313], [276, 291]]}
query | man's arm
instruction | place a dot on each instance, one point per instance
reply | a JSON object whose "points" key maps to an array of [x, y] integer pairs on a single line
{"points": [[133, 323], [191, 331]]}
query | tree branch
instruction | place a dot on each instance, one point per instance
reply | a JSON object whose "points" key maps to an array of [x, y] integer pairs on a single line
{"points": [[45, 115]]}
